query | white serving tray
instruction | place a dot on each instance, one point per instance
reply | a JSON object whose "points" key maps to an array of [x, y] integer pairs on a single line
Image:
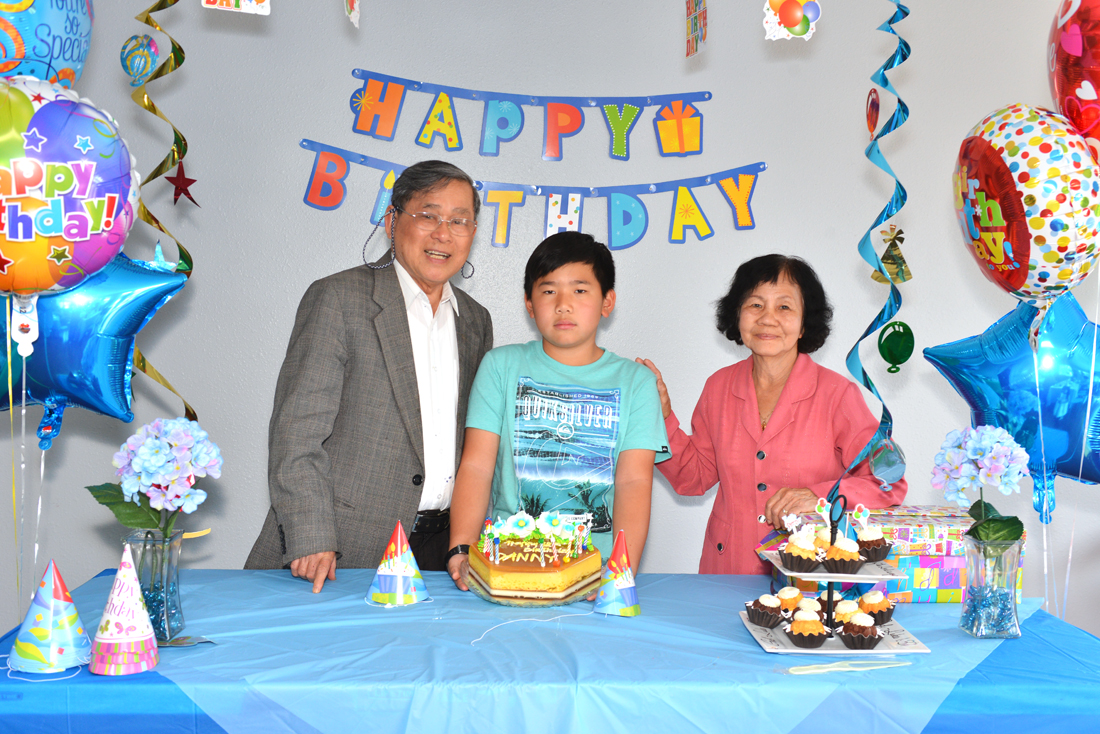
{"points": [[871, 571], [898, 641]]}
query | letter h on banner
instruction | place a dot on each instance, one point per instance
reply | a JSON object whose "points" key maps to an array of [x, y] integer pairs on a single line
{"points": [[377, 108], [564, 209]]}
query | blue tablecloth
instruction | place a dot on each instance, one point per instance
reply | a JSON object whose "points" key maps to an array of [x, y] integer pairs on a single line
{"points": [[289, 660]]}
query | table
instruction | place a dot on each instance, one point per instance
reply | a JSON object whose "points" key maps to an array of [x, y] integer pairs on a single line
{"points": [[291, 661]]}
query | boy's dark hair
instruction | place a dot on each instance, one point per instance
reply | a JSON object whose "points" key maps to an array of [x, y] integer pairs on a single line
{"points": [[564, 248], [428, 176], [816, 311]]}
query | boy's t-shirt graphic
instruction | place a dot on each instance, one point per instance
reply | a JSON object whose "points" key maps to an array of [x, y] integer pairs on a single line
{"points": [[561, 430]]}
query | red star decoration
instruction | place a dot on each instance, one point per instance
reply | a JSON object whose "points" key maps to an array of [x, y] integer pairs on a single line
{"points": [[182, 184], [4, 263], [38, 98]]}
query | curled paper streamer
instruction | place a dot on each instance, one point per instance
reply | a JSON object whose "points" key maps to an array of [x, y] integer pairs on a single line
{"points": [[867, 250]]}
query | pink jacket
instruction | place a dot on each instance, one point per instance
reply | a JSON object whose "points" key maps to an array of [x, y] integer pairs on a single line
{"points": [[819, 425]]}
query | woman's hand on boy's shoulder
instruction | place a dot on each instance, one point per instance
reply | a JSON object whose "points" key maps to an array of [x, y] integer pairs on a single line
{"points": [[662, 389]]}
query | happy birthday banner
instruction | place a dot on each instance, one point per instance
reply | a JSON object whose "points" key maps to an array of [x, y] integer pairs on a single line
{"points": [[627, 216], [678, 126]]}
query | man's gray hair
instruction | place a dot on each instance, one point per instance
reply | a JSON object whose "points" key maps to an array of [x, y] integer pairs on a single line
{"points": [[427, 176]]}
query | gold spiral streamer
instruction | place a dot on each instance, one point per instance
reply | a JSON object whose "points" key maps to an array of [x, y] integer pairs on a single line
{"points": [[175, 155]]}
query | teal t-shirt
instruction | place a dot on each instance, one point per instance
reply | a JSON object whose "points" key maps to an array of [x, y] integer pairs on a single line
{"points": [[561, 430]]}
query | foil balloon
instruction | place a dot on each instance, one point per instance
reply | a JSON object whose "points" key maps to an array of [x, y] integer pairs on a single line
{"points": [[1052, 414], [139, 58], [1027, 197], [69, 185], [1074, 65], [895, 344], [85, 353], [46, 39]]}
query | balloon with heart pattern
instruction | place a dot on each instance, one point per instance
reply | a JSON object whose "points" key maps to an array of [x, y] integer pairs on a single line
{"points": [[1073, 63]]}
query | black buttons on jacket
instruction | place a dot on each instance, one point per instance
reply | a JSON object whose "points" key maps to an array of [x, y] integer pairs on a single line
{"points": [[760, 455], [418, 480], [761, 487], [720, 547]]}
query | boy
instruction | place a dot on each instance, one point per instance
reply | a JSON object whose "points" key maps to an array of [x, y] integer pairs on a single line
{"points": [[560, 424]]}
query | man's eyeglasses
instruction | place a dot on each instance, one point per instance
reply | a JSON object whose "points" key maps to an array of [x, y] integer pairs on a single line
{"points": [[428, 222]]}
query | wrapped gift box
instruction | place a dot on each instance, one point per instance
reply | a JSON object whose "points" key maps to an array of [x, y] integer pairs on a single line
{"points": [[928, 546], [679, 129]]}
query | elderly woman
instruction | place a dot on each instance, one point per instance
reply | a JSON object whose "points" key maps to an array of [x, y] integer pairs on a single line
{"points": [[775, 430]]}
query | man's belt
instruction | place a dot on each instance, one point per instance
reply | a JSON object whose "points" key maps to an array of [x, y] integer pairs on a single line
{"points": [[431, 521]]}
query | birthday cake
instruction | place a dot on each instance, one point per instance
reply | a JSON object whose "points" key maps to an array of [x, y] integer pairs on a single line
{"points": [[524, 558]]}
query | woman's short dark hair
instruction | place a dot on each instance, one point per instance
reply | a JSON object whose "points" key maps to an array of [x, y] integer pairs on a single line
{"points": [[564, 248], [427, 176], [816, 311]]}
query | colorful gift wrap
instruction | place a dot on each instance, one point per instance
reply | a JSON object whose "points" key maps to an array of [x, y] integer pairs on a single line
{"points": [[618, 595], [124, 642], [52, 637], [928, 546], [679, 129], [398, 581]]}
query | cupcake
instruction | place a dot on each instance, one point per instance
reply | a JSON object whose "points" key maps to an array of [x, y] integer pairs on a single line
{"points": [[789, 597], [799, 554], [877, 605], [765, 611], [872, 545], [806, 630], [811, 605], [843, 557], [843, 611], [860, 632], [821, 540], [823, 599]]}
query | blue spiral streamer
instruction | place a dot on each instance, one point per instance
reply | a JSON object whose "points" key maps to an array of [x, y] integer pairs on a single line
{"points": [[867, 250]]}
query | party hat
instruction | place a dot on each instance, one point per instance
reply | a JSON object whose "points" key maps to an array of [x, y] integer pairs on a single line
{"points": [[124, 642], [617, 594], [398, 580], [52, 637]]}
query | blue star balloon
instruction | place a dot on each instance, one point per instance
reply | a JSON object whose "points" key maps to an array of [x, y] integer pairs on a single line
{"points": [[995, 373], [84, 354]]}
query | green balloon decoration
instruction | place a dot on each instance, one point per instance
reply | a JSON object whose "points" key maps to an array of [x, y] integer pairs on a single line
{"points": [[895, 344]]}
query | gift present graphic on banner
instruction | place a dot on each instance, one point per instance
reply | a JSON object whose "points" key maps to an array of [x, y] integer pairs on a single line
{"points": [[679, 129], [124, 642], [52, 637], [617, 594], [398, 581]]}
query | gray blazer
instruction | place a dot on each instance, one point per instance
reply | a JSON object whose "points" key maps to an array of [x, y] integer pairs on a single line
{"points": [[345, 443]]}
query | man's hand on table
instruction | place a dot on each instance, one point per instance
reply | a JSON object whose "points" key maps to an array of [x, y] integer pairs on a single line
{"points": [[458, 566], [316, 568]]}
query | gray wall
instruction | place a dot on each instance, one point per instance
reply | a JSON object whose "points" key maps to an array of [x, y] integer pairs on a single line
{"points": [[252, 87]]}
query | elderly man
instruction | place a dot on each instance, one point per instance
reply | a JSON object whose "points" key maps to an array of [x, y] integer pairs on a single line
{"points": [[370, 404]]}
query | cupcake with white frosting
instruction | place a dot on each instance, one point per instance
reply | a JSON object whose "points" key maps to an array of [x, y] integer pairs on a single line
{"points": [[872, 545]]}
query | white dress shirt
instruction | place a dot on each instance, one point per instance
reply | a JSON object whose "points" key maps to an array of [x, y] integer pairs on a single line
{"points": [[435, 353]]}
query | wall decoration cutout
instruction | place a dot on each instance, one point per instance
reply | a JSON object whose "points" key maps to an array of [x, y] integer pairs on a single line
{"points": [[628, 222], [786, 19], [378, 103], [255, 7], [892, 259], [872, 111], [351, 8], [696, 25]]}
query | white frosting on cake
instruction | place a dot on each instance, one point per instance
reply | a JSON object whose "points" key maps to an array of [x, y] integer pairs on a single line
{"points": [[768, 600], [847, 606], [847, 544], [804, 616], [823, 533], [862, 620], [872, 597], [788, 592], [810, 605], [823, 597], [871, 533]]}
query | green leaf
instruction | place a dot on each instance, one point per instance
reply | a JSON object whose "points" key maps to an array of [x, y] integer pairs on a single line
{"points": [[129, 514], [998, 528], [982, 510]]}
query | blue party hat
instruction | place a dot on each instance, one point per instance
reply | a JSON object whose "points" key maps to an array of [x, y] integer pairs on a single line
{"points": [[52, 637], [398, 580]]}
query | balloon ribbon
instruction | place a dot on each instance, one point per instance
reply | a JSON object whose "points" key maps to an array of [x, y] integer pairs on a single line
{"points": [[867, 250], [175, 155]]}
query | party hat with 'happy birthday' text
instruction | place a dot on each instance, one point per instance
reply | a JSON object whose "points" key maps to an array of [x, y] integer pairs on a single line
{"points": [[124, 642], [52, 637], [398, 580], [617, 594]]}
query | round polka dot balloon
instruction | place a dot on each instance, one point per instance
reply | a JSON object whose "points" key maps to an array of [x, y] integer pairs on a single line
{"points": [[1027, 196]]}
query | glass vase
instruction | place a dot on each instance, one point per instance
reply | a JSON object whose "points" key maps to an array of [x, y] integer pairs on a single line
{"points": [[989, 599], [156, 561]]}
